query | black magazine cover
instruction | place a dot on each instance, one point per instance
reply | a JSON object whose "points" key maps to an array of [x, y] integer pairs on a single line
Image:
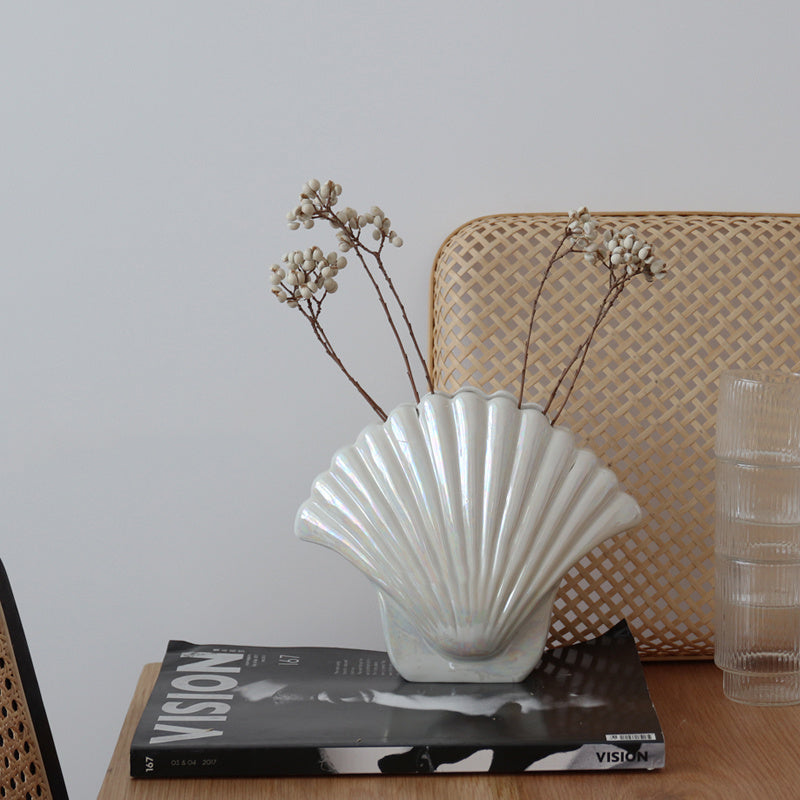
{"points": [[248, 711]]}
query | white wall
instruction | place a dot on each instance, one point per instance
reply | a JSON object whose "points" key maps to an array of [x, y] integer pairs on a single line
{"points": [[161, 417]]}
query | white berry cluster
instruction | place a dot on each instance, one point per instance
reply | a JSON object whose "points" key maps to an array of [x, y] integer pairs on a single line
{"points": [[354, 223], [315, 198], [626, 250], [582, 227], [616, 249], [317, 201], [306, 274]]}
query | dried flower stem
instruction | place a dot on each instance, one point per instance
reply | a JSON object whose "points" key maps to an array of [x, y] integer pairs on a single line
{"points": [[322, 337], [615, 289], [526, 349], [358, 248], [409, 326]]}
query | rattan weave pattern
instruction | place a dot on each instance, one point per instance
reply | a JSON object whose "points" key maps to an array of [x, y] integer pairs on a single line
{"points": [[646, 399], [22, 773]]}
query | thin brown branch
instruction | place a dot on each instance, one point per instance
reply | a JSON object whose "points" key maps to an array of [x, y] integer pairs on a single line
{"points": [[524, 372], [323, 339], [390, 320], [407, 321], [612, 295]]}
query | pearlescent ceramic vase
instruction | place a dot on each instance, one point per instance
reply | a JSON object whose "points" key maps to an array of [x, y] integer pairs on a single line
{"points": [[465, 511]]}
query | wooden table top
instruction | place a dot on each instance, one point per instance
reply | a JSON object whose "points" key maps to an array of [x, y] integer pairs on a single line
{"points": [[714, 749]]}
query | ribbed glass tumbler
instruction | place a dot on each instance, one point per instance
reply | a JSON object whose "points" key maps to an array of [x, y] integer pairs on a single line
{"points": [[757, 536]]}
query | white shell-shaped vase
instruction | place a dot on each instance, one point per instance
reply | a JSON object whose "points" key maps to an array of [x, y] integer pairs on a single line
{"points": [[465, 511]]}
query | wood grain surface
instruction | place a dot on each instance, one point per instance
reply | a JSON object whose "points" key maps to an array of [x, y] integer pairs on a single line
{"points": [[715, 749]]}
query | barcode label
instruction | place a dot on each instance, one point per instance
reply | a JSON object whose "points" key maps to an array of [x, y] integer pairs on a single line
{"points": [[630, 737]]}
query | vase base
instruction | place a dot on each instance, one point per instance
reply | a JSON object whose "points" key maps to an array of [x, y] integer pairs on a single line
{"points": [[417, 661]]}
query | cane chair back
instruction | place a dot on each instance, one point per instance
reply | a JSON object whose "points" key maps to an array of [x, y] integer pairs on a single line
{"points": [[29, 766], [646, 399]]}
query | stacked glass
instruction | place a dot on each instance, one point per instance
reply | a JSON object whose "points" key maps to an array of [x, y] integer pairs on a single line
{"points": [[757, 537]]}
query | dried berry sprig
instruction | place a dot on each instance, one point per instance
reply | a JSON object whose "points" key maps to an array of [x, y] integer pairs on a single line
{"points": [[623, 255], [317, 201]]}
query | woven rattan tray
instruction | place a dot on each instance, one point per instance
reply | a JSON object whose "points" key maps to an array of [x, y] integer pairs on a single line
{"points": [[646, 399]]}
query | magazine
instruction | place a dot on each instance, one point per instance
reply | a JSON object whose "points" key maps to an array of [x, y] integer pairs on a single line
{"points": [[230, 711]]}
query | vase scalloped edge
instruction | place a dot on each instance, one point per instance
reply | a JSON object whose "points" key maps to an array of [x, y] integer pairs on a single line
{"points": [[465, 511]]}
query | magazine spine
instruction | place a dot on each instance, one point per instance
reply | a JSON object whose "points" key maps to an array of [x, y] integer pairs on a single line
{"points": [[310, 761]]}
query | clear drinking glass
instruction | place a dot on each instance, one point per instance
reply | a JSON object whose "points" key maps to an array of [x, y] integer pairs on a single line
{"points": [[757, 536]]}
